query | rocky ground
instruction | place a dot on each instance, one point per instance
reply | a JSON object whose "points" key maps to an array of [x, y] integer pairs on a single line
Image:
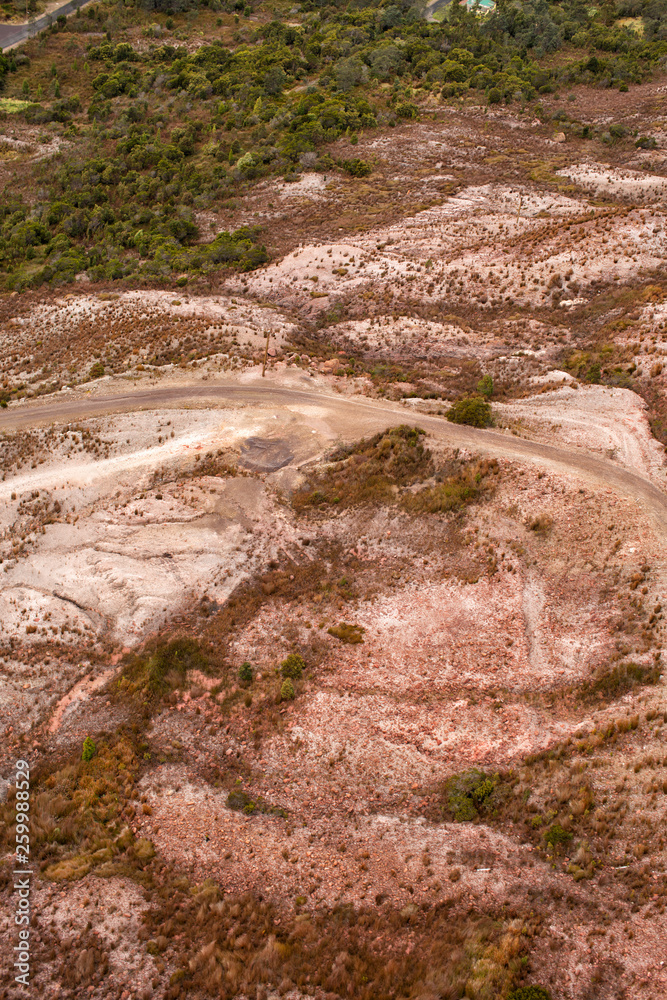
{"points": [[458, 786]]}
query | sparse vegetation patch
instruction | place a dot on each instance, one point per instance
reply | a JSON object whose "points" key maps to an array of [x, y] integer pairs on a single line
{"points": [[161, 667], [347, 633], [383, 470], [613, 682]]}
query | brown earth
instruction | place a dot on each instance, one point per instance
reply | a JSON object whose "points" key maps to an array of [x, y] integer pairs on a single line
{"points": [[495, 604]]}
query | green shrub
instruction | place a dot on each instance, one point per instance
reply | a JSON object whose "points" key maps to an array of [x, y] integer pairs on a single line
{"points": [[495, 96], [357, 167], [594, 374], [485, 386], [530, 993], [469, 792], [471, 482], [287, 690], [293, 666], [245, 673], [407, 110], [89, 749], [96, 370], [556, 836], [471, 410]]}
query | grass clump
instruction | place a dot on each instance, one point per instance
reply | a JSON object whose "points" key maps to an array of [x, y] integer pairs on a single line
{"points": [[618, 680], [240, 801], [347, 633], [541, 524], [12, 105], [471, 410]]}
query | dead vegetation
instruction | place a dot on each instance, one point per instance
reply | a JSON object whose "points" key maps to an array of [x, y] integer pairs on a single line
{"points": [[372, 953]]}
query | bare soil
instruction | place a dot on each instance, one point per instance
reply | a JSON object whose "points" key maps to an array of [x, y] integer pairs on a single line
{"points": [[148, 511]]}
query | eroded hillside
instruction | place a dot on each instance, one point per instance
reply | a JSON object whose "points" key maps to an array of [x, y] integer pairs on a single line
{"points": [[374, 699]]}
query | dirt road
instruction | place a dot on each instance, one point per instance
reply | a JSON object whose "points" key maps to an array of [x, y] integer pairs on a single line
{"points": [[14, 34], [352, 418]]}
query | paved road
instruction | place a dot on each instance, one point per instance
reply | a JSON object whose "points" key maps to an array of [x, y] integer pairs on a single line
{"points": [[352, 418], [13, 34]]}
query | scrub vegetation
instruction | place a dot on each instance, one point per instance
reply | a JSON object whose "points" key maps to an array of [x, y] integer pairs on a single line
{"points": [[164, 113]]}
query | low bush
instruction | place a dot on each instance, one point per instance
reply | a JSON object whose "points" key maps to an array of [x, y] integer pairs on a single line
{"points": [[366, 472], [556, 836], [469, 793], [380, 471], [407, 110], [287, 692], [245, 673], [471, 410], [357, 167], [160, 668], [530, 993], [465, 485], [293, 666], [89, 749], [347, 633]]}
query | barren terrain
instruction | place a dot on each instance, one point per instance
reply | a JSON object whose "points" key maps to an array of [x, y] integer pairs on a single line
{"points": [[376, 711]]}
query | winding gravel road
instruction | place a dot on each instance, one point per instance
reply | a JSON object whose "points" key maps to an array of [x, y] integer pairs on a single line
{"points": [[351, 418]]}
